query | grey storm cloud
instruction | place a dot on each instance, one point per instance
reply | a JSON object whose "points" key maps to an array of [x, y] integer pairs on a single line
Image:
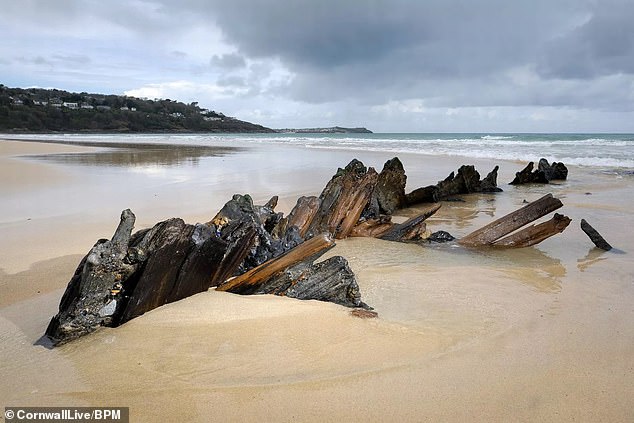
{"points": [[445, 33], [319, 34], [603, 45], [437, 49], [228, 61], [357, 54], [232, 81]]}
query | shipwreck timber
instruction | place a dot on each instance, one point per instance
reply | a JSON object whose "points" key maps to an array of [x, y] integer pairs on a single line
{"points": [[250, 249]]}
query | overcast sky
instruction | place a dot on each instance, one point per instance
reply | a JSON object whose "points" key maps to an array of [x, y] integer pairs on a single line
{"points": [[389, 65]]}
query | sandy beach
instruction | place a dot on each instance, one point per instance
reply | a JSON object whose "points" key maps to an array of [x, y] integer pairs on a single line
{"points": [[536, 334]]}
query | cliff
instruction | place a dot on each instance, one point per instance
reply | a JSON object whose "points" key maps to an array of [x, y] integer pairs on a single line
{"points": [[51, 110]]}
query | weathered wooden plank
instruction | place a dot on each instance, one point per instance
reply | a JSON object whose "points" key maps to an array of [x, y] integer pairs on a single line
{"points": [[511, 222], [343, 200], [528, 176], [90, 300], [595, 236], [428, 194], [390, 187], [535, 234], [303, 214], [412, 228], [465, 181], [554, 171], [168, 248], [241, 210], [490, 182], [206, 255], [352, 205], [239, 245], [331, 280], [314, 246], [372, 228]]}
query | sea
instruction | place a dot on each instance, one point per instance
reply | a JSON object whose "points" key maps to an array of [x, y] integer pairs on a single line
{"points": [[594, 150]]}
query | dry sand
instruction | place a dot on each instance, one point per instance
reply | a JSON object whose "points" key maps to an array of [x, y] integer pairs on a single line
{"points": [[537, 334]]}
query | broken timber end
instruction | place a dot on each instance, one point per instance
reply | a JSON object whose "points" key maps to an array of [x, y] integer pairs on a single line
{"points": [[498, 229], [308, 250], [535, 234], [595, 236]]}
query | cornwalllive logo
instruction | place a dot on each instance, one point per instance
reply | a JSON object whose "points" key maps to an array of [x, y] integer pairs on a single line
{"points": [[67, 414]]}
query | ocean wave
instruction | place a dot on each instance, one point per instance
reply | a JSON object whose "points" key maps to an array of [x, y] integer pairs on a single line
{"points": [[580, 150], [598, 162], [421, 140], [514, 155], [497, 137]]}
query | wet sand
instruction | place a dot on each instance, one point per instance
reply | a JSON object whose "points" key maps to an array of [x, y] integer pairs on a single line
{"points": [[536, 334]]}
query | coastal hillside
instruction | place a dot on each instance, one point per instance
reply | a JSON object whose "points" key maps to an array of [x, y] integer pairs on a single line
{"points": [[51, 110]]}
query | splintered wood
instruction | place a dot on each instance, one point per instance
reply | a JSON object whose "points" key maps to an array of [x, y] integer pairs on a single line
{"points": [[493, 233], [308, 249]]}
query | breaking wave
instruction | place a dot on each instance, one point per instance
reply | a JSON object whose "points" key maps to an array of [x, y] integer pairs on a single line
{"points": [[597, 150]]}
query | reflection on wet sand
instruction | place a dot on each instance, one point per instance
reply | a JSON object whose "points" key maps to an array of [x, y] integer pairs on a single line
{"points": [[457, 214], [594, 256], [529, 266], [135, 154]]}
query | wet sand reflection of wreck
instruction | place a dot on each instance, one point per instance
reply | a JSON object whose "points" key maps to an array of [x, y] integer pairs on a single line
{"points": [[531, 267]]}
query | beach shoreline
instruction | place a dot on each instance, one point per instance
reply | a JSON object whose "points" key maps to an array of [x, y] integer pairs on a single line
{"points": [[543, 333]]}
